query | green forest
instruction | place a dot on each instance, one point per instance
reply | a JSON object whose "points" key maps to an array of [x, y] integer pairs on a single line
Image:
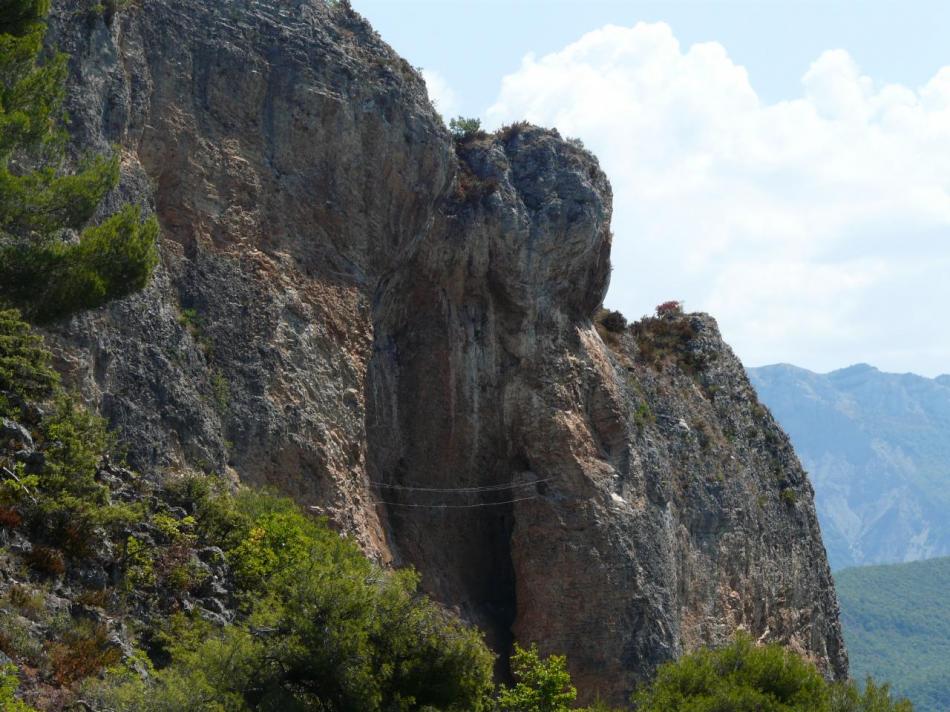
{"points": [[896, 622]]}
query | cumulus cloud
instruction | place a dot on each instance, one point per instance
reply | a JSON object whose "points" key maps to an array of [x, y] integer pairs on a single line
{"points": [[441, 94], [815, 229]]}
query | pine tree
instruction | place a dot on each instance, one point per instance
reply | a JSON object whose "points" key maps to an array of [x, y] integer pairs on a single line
{"points": [[43, 202]]}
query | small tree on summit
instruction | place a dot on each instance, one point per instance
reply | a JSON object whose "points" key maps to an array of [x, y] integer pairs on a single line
{"points": [[463, 128]]}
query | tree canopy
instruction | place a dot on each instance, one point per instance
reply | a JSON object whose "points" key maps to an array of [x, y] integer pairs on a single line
{"points": [[745, 677], [52, 261]]}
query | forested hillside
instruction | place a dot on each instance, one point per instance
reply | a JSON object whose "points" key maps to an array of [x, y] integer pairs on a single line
{"points": [[897, 627]]}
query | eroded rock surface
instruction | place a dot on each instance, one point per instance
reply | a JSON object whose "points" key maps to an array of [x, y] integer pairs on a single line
{"points": [[355, 309]]}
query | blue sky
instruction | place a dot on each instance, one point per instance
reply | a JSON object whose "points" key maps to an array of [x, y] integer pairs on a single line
{"points": [[785, 166]]}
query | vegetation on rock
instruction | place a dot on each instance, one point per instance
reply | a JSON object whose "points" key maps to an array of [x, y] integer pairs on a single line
{"points": [[320, 626], [313, 623], [51, 262], [125, 593], [9, 681], [464, 128], [668, 336]]}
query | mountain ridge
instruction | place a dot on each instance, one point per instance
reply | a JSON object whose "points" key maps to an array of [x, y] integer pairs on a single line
{"points": [[876, 445]]}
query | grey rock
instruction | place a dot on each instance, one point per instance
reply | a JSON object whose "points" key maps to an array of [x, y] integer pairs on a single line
{"points": [[12, 433], [215, 606], [213, 617], [91, 576]]}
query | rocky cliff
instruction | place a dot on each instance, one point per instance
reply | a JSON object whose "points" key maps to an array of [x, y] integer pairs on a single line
{"points": [[398, 329]]}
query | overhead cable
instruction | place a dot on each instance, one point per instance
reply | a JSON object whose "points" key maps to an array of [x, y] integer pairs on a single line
{"points": [[458, 490], [454, 506]]}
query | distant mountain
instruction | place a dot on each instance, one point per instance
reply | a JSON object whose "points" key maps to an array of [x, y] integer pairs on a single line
{"points": [[877, 446], [897, 627]]}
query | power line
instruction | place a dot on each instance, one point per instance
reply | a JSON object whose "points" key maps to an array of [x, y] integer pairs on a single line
{"points": [[455, 506], [459, 490]]}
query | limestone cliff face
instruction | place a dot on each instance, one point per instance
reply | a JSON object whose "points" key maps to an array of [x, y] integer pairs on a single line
{"points": [[362, 313]]}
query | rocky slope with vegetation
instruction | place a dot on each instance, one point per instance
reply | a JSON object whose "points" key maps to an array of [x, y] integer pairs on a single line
{"points": [[400, 329], [125, 594]]}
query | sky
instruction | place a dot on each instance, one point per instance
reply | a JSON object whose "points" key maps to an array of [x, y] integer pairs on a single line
{"points": [[784, 166]]}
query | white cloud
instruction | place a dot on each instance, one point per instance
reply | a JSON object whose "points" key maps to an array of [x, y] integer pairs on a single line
{"points": [[441, 94], [804, 225]]}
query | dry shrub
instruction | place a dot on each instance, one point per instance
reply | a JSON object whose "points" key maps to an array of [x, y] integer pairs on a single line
{"points": [[47, 560], [84, 651], [470, 189], [512, 131], [95, 598], [28, 601], [10, 518], [612, 321], [667, 338]]}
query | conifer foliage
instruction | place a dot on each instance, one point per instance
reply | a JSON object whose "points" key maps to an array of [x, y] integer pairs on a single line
{"points": [[52, 263]]}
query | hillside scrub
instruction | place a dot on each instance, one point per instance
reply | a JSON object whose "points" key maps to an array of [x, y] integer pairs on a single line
{"points": [[323, 627], [316, 625]]}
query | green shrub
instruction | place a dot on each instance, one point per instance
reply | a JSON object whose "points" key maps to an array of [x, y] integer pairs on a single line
{"points": [[324, 627], [16, 638], [541, 685], [464, 128], [25, 371], [744, 677], [643, 415], [221, 390], [9, 682], [60, 501], [42, 273], [50, 279]]}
